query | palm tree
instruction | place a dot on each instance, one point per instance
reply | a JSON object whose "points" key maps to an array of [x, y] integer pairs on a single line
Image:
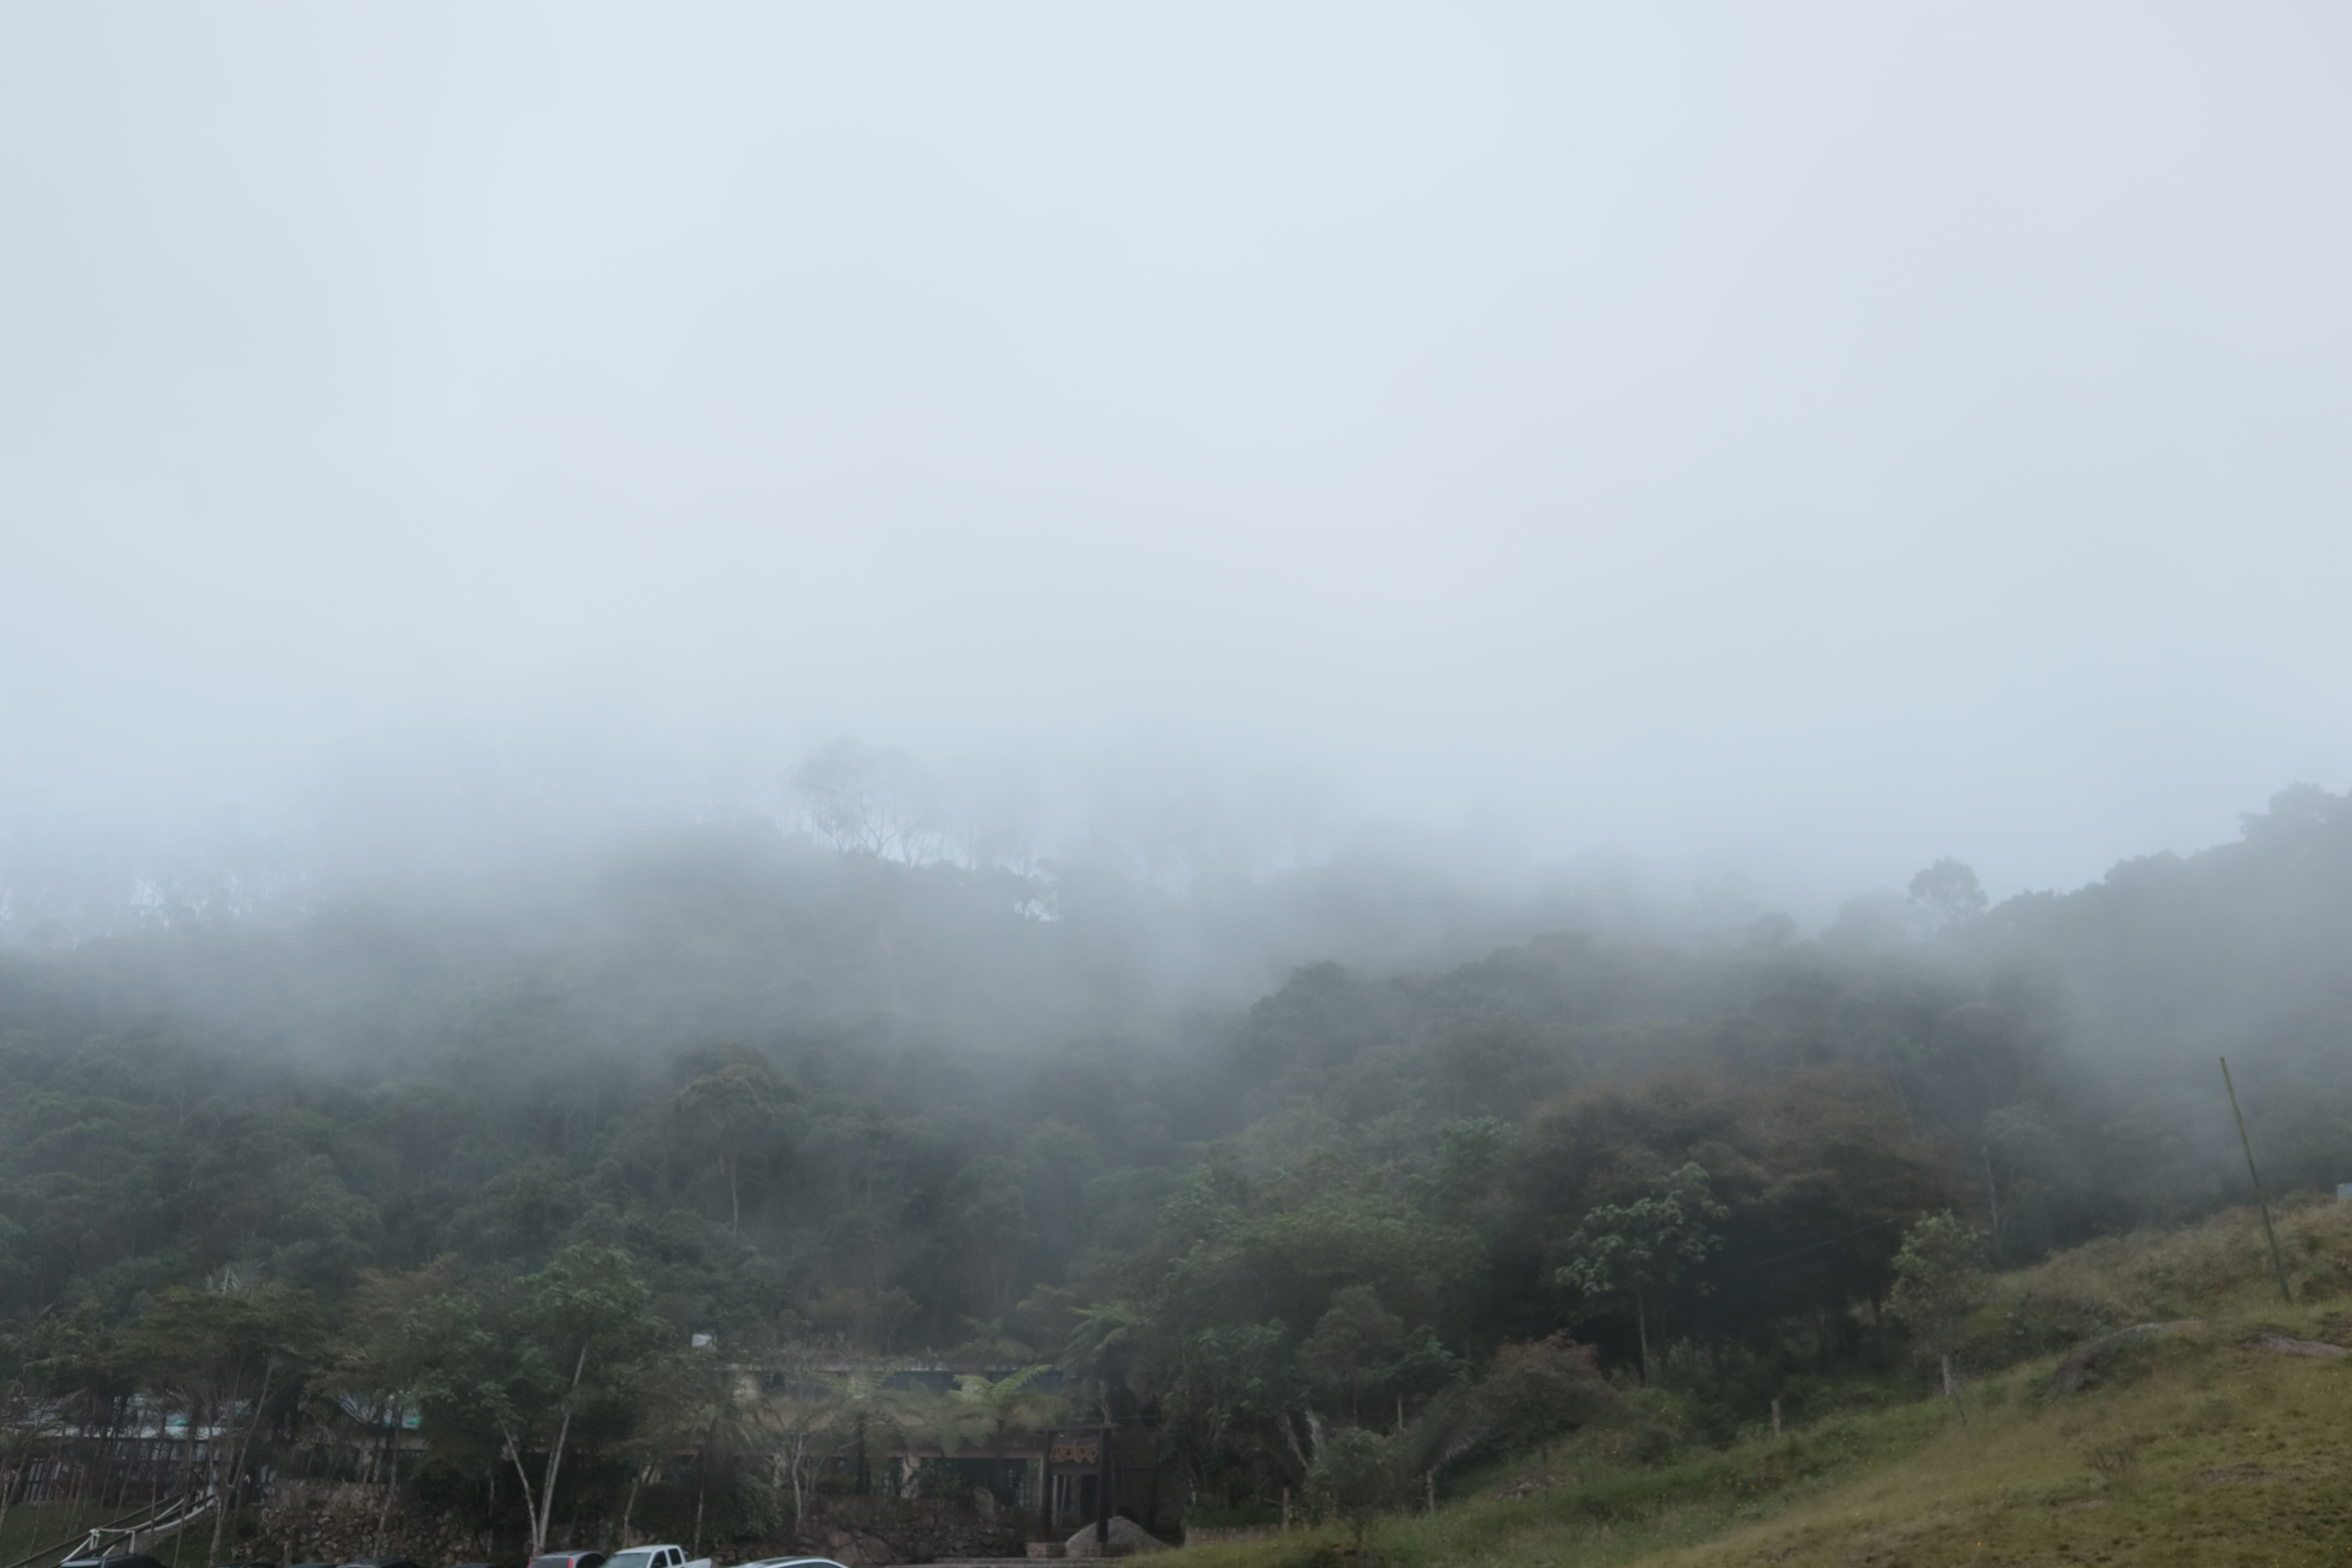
{"points": [[852, 1409], [1106, 1338], [998, 1406]]}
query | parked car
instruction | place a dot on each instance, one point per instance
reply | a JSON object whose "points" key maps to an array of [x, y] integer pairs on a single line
{"points": [[653, 1557], [791, 1563], [120, 1559], [570, 1560], [380, 1562]]}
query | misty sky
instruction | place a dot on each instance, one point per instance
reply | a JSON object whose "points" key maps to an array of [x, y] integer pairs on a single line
{"points": [[1812, 436]]}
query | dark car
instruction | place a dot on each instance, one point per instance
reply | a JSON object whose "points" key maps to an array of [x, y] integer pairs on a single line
{"points": [[570, 1560], [120, 1559], [380, 1562]]}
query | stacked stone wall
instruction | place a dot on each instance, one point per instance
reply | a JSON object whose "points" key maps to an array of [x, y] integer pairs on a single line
{"points": [[336, 1522]]}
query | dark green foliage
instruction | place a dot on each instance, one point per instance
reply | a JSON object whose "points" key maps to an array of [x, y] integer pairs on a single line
{"points": [[1360, 1357], [1939, 1282], [1638, 1252]]}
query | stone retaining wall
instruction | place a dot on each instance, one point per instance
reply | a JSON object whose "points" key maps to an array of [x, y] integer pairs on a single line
{"points": [[335, 1522]]}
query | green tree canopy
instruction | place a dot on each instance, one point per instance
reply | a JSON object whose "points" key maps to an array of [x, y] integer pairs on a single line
{"points": [[1939, 1282], [1633, 1254], [528, 1366]]}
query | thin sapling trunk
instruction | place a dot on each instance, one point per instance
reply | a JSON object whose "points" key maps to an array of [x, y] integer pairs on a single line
{"points": [[236, 1467], [554, 1466]]}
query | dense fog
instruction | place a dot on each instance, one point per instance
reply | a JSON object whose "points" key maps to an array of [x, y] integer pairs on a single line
{"points": [[1800, 445], [1298, 731]]}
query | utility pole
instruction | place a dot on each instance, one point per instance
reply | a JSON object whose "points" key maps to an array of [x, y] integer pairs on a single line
{"points": [[1046, 1489], [1102, 1490], [2277, 1262]]}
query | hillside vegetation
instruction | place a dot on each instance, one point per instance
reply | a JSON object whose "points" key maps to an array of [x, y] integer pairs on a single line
{"points": [[806, 1107], [2198, 1447]]}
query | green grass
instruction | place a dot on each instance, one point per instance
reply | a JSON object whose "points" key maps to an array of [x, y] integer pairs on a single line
{"points": [[40, 1525], [37, 1524], [1608, 1513], [30, 1526], [2197, 1449]]}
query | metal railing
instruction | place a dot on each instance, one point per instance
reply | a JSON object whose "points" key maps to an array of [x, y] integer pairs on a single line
{"points": [[124, 1533]]}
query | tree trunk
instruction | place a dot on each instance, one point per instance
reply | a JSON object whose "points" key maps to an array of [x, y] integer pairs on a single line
{"points": [[1102, 1489], [1993, 1202], [1642, 1330], [1045, 1486], [545, 1514], [702, 1481], [236, 1467], [529, 1501], [390, 1485], [629, 1509], [798, 1455]]}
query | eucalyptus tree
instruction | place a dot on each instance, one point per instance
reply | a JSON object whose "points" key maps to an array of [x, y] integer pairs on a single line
{"points": [[734, 1108], [81, 1376], [217, 1354], [535, 1363]]}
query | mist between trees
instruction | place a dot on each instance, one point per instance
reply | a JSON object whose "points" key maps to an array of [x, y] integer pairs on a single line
{"points": [[645, 1190]]}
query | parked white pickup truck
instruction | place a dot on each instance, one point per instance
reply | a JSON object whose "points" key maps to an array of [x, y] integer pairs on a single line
{"points": [[655, 1557]]}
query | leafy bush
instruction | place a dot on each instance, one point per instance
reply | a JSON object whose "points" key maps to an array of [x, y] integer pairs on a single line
{"points": [[1355, 1476], [1539, 1390]]}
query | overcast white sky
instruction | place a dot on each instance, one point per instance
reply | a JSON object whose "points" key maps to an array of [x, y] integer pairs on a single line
{"points": [[1828, 436]]}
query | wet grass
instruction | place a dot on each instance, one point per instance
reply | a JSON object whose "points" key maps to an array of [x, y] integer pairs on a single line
{"points": [[2199, 1450], [1612, 1515]]}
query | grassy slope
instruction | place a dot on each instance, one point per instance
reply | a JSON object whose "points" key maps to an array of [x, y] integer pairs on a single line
{"points": [[2192, 1449]]}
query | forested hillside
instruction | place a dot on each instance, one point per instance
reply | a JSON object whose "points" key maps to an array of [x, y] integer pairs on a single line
{"points": [[821, 1100]]}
